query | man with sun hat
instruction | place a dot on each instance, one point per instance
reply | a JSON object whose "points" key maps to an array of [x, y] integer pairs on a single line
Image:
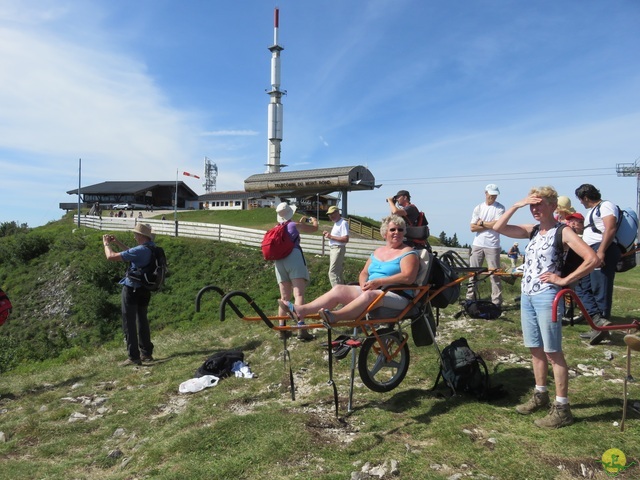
{"points": [[135, 298]]}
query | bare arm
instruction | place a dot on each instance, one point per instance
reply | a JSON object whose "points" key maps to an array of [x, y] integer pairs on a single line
{"points": [[395, 210], [481, 226], [343, 239], [503, 227], [306, 227], [364, 274], [607, 236], [108, 251]]}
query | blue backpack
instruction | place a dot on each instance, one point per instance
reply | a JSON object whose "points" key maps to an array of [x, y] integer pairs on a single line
{"points": [[626, 228]]}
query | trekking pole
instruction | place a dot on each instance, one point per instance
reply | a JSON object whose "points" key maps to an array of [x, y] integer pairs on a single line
{"points": [[331, 382], [624, 388], [353, 371]]}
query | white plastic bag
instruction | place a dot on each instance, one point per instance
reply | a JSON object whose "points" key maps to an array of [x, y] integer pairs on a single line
{"points": [[194, 385]]}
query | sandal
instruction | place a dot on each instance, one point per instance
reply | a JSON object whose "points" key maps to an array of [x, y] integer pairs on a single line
{"points": [[327, 317], [289, 309]]}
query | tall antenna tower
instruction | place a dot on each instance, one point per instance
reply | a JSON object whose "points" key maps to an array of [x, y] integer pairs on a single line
{"points": [[210, 175], [275, 111]]}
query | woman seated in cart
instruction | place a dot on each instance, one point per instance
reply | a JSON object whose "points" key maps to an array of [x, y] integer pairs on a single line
{"points": [[392, 264]]}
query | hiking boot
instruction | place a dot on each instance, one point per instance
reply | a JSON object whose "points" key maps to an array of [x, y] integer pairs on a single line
{"points": [[538, 401], [559, 416], [304, 335], [146, 358], [599, 335], [130, 361]]}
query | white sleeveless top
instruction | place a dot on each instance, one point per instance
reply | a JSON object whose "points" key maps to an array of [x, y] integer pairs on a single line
{"points": [[540, 257]]}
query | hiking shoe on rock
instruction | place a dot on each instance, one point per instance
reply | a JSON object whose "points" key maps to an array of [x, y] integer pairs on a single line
{"points": [[538, 401], [559, 416], [129, 362]]}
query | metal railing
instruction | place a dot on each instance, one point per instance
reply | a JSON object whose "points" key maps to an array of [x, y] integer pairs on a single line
{"points": [[312, 244]]}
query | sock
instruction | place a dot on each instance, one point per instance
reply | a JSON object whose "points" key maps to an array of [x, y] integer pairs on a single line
{"points": [[562, 400], [541, 388]]}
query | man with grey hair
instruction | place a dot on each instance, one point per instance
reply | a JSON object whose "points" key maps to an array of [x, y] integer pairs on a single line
{"points": [[486, 243]]}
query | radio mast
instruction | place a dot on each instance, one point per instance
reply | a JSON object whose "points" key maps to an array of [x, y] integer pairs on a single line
{"points": [[210, 175], [275, 113]]}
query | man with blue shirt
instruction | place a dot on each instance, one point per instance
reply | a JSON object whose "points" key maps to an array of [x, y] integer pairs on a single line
{"points": [[135, 298]]}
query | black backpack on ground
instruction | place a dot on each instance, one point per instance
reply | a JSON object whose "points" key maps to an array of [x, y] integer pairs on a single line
{"points": [[220, 364], [152, 275], [463, 370], [482, 309]]}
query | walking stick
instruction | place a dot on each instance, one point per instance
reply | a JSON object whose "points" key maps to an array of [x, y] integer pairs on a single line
{"points": [[624, 388]]}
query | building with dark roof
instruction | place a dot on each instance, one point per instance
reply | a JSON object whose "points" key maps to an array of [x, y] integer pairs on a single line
{"points": [[139, 194]]}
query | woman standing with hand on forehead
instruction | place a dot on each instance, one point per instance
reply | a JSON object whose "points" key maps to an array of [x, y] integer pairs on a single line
{"points": [[541, 281]]}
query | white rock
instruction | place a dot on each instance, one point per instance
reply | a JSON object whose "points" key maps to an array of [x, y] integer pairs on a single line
{"points": [[77, 417], [379, 471]]}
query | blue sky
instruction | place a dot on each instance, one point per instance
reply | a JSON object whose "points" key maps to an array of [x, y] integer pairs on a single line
{"points": [[437, 97]]}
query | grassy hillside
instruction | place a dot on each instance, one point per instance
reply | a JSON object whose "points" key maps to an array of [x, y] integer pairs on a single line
{"points": [[68, 411]]}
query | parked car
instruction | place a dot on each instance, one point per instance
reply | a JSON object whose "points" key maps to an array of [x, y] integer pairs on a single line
{"points": [[123, 206]]}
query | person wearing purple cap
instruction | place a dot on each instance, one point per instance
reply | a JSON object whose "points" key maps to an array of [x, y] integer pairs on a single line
{"points": [[486, 243]]}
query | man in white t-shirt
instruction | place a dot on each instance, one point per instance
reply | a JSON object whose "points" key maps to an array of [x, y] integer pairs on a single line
{"points": [[596, 289], [338, 238], [486, 243]]}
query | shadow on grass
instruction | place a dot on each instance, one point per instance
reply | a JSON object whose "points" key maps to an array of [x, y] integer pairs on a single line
{"points": [[249, 346], [507, 389], [44, 387]]}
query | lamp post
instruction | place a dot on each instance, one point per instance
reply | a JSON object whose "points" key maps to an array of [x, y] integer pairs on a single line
{"points": [[175, 205]]}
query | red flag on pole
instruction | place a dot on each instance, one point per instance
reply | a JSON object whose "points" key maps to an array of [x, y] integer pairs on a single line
{"points": [[190, 174]]}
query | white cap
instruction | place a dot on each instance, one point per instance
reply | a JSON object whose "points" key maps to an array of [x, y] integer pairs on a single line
{"points": [[492, 189]]}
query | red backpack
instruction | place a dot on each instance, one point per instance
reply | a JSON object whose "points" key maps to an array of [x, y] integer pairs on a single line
{"points": [[277, 243], [5, 307]]}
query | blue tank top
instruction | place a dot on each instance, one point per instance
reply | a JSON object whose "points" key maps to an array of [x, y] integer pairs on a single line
{"points": [[380, 269]]}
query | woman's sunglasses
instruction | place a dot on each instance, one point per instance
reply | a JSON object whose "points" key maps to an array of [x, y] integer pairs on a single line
{"points": [[396, 229]]}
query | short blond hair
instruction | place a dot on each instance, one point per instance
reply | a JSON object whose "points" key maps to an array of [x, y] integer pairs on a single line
{"points": [[397, 219], [547, 193]]}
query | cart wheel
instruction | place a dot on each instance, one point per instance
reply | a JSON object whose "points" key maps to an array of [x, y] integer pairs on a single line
{"points": [[378, 373]]}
